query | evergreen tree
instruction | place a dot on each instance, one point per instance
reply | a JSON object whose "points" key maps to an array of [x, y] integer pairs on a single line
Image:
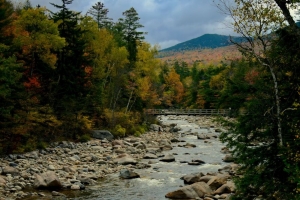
{"points": [[99, 13], [6, 17], [70, 91], [132, 35], [11, 110]]}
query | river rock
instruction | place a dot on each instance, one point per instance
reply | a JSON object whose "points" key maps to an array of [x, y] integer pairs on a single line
{"points": [[192, 178], [10, 170], [194, 191], [223, 189], [102, 134], [125, 159], [189, 145], [228, 158], [150, 156], [47, 180], [117, 142], [166, 147], [202, 137], [2, 180], [205, 178], [155, 127], [217, 181], [128, 174], [168, 158]]}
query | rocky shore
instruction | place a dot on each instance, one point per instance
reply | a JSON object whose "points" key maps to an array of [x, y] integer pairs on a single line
{"points": [[76, 166]]}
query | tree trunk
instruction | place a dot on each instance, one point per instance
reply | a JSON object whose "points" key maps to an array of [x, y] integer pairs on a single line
{"points": [[128, 103], [278, 109]]}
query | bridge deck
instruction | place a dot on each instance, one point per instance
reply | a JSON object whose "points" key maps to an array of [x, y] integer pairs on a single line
{"points": [[188, 111]]}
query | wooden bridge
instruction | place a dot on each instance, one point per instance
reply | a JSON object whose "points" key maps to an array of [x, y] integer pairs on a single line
{"points": [[223, 112]]}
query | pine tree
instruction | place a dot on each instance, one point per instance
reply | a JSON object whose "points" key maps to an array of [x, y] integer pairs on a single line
{"points": [[99, 13], [132, 35], [70, 87], [6, 17]]}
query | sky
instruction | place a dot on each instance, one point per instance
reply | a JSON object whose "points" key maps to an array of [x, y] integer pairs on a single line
{"points": [[168, 22]]}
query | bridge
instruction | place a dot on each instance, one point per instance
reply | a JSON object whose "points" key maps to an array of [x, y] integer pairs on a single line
{"points": [[223, 112]]}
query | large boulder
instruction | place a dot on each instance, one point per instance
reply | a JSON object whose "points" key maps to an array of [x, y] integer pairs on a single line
{"points": [[217, 181], [102, 134], [194, 191], [223, 189], [47, 180]]}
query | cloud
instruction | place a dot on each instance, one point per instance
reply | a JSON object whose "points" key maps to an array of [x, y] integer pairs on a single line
{"points": [[167, 21]]}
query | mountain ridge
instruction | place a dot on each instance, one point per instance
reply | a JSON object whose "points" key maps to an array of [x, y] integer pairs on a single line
{"points": [[206, 41]]}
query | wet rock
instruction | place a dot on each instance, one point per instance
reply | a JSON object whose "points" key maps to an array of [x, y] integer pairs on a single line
{"points": [[175, 129], [194, 191], [198, 161], [189, 145], [194, 163], [174, 140], [168, 158], [192, 178], [128, 174], [54, 193]]}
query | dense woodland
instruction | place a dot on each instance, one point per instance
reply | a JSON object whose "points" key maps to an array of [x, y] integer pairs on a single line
{"points": [[63, 73]]}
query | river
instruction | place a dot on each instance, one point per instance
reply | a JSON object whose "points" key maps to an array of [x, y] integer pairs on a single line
{"points": [[164, 177]]}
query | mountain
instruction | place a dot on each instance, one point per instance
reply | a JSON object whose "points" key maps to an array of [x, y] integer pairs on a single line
{"points": [[207, 41]]}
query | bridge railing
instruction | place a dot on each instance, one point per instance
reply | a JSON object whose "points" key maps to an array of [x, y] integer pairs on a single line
{"points": [[188, 111]]}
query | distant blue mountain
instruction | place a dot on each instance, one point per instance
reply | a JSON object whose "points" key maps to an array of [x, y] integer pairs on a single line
{"points": [[207, 41]]}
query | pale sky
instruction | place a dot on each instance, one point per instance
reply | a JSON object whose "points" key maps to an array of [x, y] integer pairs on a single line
{"points": [[167, 22]]}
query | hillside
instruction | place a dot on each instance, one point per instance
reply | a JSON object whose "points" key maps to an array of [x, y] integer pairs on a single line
{"points": [[207, 41], [208, 49], [206, 56]]}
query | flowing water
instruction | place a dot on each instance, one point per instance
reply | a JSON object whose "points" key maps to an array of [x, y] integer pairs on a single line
{"points": [[162, 177]]}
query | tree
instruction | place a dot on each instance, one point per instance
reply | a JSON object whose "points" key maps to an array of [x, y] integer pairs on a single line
{"points": [[70, 91], [132, 35], [266, 127], [173, 89], [99, 13], [37, 37], [11, 95], [6, 17]]}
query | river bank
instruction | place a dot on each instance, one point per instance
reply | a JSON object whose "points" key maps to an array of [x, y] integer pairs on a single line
{"points": [[91, 170]]}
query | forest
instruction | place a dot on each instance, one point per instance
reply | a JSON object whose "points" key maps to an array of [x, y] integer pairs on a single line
{"points": [[64, 73]]}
